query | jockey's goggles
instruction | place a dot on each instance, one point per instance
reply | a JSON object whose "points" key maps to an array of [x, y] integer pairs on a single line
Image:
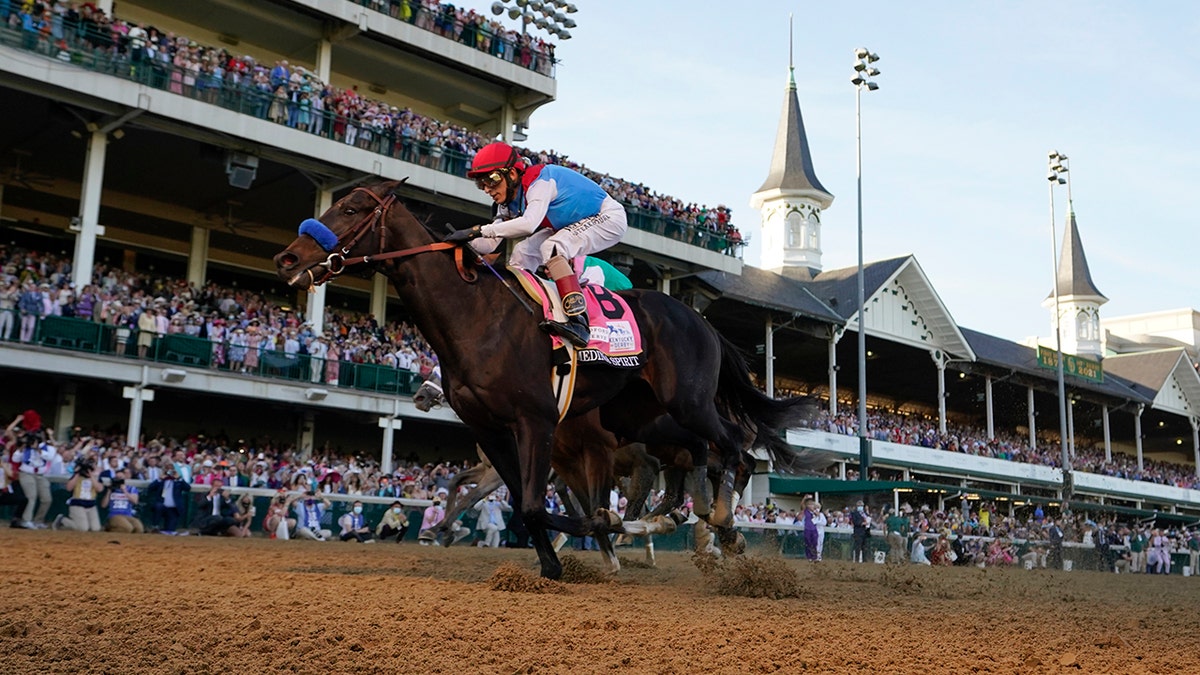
{"points": [[490, 181]]}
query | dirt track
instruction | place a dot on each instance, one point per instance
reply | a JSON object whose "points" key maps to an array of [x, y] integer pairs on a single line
{"points": [[139, 604]]}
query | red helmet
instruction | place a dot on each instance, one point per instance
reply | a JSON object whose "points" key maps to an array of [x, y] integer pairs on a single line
{"points": [[492, 157]]}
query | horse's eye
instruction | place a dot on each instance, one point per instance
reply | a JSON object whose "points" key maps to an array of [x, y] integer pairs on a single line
{"points": [[350, 210]]}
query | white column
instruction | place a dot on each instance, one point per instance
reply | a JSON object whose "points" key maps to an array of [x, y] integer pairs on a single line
{"points": [[197, 266], [1107, 434], [379, 298], [769, 353], [1137, 432], [991, 413], [1071, 430], [939, 360], [138, 395], [664, 284], [833, 371], [314, 310], [1196, 442], [305, 435], [64, 417], [324, 58], [508, 118], [1030, 414], [89, 210], [390, 426]]}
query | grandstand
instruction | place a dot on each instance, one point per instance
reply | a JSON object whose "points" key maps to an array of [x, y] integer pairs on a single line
{"points": [[196, 164]]}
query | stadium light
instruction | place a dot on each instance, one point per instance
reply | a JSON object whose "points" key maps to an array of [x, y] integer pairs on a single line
{"points": [[862, 72], [541, 14], [1056, 175]]}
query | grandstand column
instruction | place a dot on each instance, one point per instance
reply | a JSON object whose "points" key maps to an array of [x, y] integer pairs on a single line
{"points": [[1030, 414], [198, 256], [379, 298], [939, 360], [508, 119], [64, 417], [138, 395], [324, 58], [1071, 428], [390, 426], [305, 435], [664, 283], [89, 210], [769, 355], [1137, 432], [1196, 443], [991, 413], [314, 304], [1107, 434], [833, 371]]}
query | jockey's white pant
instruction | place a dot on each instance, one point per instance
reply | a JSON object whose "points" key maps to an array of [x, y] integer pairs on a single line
{"points": [[587, 236]]}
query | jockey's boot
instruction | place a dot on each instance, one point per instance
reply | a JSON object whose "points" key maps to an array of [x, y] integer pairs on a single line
{"points": [[575, 329]]}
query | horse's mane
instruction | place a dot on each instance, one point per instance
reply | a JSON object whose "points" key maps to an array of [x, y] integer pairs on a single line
{"points": [[424, 218]]}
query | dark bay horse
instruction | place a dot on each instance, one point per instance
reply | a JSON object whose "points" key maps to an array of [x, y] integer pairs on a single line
{"points": [[496, 361]]}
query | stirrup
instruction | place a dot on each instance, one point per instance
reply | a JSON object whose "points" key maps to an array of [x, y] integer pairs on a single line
{"points": [[572, 331]]}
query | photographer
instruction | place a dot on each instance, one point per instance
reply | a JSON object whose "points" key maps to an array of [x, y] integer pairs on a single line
{"points": [[122, 501], [34, 456], [309, 514], [354, 526], [218, 518], [277, 524], [85, 488]]}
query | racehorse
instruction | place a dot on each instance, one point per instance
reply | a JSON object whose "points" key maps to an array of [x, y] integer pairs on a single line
{"points": [[496, 362]]}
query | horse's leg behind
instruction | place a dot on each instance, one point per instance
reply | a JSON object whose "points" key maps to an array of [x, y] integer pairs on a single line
{"points": [[642, 470], [486, 481]]}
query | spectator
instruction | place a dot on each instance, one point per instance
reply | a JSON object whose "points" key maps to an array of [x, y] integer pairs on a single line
{"points": [[354, 525], [491, 520], [393, 524], [310, 512], [277, 524], [169, 499], [122, 500], [897, 536], [1054, 559], [860, 520], [217, 518], [36, 457], [434, 513], [85, 488], [243, 515]]}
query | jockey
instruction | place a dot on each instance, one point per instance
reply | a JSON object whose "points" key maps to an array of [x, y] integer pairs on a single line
{"points": [[562, 214]]}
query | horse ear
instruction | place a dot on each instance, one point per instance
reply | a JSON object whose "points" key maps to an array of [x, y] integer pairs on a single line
{"points": [[397, 184]]}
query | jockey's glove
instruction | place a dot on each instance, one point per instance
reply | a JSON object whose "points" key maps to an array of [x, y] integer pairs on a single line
{"points": [[460, 236]]}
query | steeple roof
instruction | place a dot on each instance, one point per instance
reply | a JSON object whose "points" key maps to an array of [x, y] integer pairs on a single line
{"points": [[791, 164], [1074, 277]]}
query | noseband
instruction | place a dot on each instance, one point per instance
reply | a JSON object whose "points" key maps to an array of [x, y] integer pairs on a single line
{"points": [[337, 262]]}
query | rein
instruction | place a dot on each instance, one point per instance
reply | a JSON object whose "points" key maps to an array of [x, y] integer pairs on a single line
{"points": [[337, 262]]}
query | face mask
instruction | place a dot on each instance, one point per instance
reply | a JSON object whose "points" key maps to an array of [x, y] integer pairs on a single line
{"points": [[396, 511], [860, 509], [358, 509], [310, 502]]}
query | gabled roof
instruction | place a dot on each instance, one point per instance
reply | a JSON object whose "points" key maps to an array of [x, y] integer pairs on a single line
{"points": [[762, 288], [1006, 354], [1074, 277], [791, 163], [1167, 372]]}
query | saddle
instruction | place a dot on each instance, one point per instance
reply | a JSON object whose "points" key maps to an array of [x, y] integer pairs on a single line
{"points": [[615, 338]]}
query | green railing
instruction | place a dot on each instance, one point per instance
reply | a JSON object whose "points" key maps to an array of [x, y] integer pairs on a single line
{"points": [[83, 335], [245, 98]]}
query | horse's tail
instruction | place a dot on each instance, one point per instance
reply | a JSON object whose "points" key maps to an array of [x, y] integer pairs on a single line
{"points": [[764, 418]]}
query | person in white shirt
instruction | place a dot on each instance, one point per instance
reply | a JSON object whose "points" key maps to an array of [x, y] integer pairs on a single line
{"points": [[36, 456], [318, 348]]}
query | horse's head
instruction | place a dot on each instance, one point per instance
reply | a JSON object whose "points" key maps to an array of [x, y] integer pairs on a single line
{"points": [[351, 231]]}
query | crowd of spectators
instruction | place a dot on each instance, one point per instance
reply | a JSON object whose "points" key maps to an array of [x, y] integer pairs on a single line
{"points": [[241, 324], [923, 432], [294, 96]]}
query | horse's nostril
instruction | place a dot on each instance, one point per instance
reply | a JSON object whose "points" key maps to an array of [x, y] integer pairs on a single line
{"points": [[287, 260]]}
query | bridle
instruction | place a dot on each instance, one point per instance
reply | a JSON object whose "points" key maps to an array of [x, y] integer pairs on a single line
{"points": [[337, 262]]}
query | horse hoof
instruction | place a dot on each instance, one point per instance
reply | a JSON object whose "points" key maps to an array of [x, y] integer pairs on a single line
{"points": [[611, 519], [677, 516], [666, 525]]}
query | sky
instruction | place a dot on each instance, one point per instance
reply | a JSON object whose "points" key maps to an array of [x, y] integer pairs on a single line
{"points": [[685, 97]]}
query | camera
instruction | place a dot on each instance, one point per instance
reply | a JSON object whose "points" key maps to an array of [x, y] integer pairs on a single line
{"points": [[118, 483], [84, 466]]}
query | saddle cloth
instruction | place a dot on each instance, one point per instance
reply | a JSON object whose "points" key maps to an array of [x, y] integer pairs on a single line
{"points": [[615, 338]]}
